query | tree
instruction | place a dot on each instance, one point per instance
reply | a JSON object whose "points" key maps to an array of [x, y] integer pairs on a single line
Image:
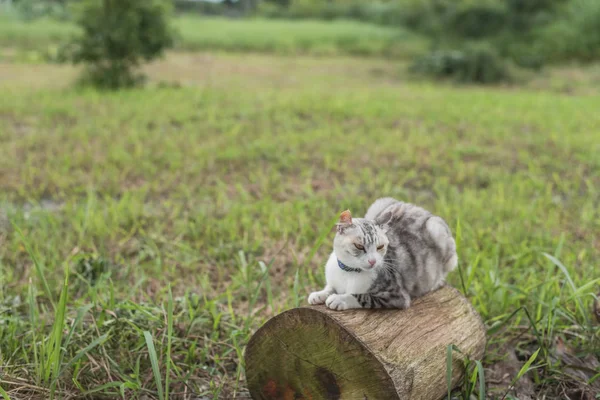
{"points": [[118, 35]]}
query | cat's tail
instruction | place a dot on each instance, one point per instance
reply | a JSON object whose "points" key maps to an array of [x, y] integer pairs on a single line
{"points": [[451, 263], [378, 206], [440, 233], [451, 256]]}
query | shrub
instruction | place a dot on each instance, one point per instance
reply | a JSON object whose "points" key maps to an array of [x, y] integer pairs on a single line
{"points": [[575, 35], [118, 35], [525, 16], [532, 6], [472, 64], [526, 53], [478, 21]]}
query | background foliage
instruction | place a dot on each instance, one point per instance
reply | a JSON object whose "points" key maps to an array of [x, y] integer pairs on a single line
{"points": [[519, 34]]}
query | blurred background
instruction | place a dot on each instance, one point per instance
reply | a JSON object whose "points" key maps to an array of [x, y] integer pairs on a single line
{"points": [[472, 41], [170, 172]]}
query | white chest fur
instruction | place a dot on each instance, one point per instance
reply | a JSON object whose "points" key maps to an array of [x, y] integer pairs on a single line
{"points": [[347, 282]]}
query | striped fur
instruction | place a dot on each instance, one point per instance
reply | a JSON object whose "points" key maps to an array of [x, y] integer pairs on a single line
{"points": [[412, 251]]}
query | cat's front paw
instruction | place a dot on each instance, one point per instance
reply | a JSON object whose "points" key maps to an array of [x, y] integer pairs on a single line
{"points": [[318, 297], [341, 302]]}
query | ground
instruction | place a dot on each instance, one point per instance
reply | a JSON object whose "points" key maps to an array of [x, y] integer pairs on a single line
{"points": [[221, 181]]}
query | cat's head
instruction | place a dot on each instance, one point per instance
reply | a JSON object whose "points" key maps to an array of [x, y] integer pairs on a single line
{"points": [[360, 243]]}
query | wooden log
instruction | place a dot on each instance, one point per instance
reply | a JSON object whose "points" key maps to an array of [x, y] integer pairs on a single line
{"points": [[316, 353]]}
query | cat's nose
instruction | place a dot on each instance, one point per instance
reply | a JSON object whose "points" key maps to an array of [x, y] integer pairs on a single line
{"points": [[372, 261]]}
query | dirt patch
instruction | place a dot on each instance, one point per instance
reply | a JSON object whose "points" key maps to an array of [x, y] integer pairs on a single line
{"points": [[500, 375], [578, 370], [570, 381], [20, 75]]}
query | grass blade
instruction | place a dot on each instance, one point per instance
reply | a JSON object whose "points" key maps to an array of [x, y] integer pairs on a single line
{"points": [[5, 395], [80, 314], [564, 270], [265, 270], [522, 371], [458, 240], [154, 361], [55, 344], [39, 269], [296, 288], [100, 388], [462, 280], [481, 375], [497, 327], [169, 338], [471, 387], [458, 235], [526, 366], [321, 238], [37, 352], [83, 352], [317, 246]]}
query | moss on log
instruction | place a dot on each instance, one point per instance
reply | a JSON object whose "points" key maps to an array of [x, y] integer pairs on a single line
{"points": [[315, 353]]}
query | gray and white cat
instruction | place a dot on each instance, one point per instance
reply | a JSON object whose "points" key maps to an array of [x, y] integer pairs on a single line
{"points": [[396, 253]]}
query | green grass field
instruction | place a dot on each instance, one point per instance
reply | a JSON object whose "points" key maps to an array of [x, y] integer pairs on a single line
{"points": [[146, 234], [243, 35]]}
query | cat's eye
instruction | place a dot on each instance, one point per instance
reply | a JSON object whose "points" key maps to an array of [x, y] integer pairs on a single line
{"points": [[380, 247], [359, 246]]}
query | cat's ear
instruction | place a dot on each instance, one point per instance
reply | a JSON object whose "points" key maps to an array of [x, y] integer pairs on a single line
{"points": [[345, 221], [346, 217]]}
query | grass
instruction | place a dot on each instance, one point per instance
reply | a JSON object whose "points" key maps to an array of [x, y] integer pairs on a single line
{"points": [[242, 35], [221, 192], [298, 37], [38, 34]]}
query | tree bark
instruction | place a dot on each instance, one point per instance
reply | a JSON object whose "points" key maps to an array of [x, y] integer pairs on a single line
{"points": [[316, 353]]}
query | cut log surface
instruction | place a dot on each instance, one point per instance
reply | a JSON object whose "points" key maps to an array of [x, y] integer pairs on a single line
{"points": [[316, 353]]}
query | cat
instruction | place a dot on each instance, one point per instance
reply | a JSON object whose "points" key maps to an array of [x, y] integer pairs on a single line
{"points": [[396, 253]]}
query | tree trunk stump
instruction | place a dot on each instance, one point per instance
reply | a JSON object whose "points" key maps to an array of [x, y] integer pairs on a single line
{"points": [[315, 353]]}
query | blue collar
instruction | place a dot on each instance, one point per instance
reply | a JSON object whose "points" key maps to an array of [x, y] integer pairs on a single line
{"points": [[346, 268]]}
